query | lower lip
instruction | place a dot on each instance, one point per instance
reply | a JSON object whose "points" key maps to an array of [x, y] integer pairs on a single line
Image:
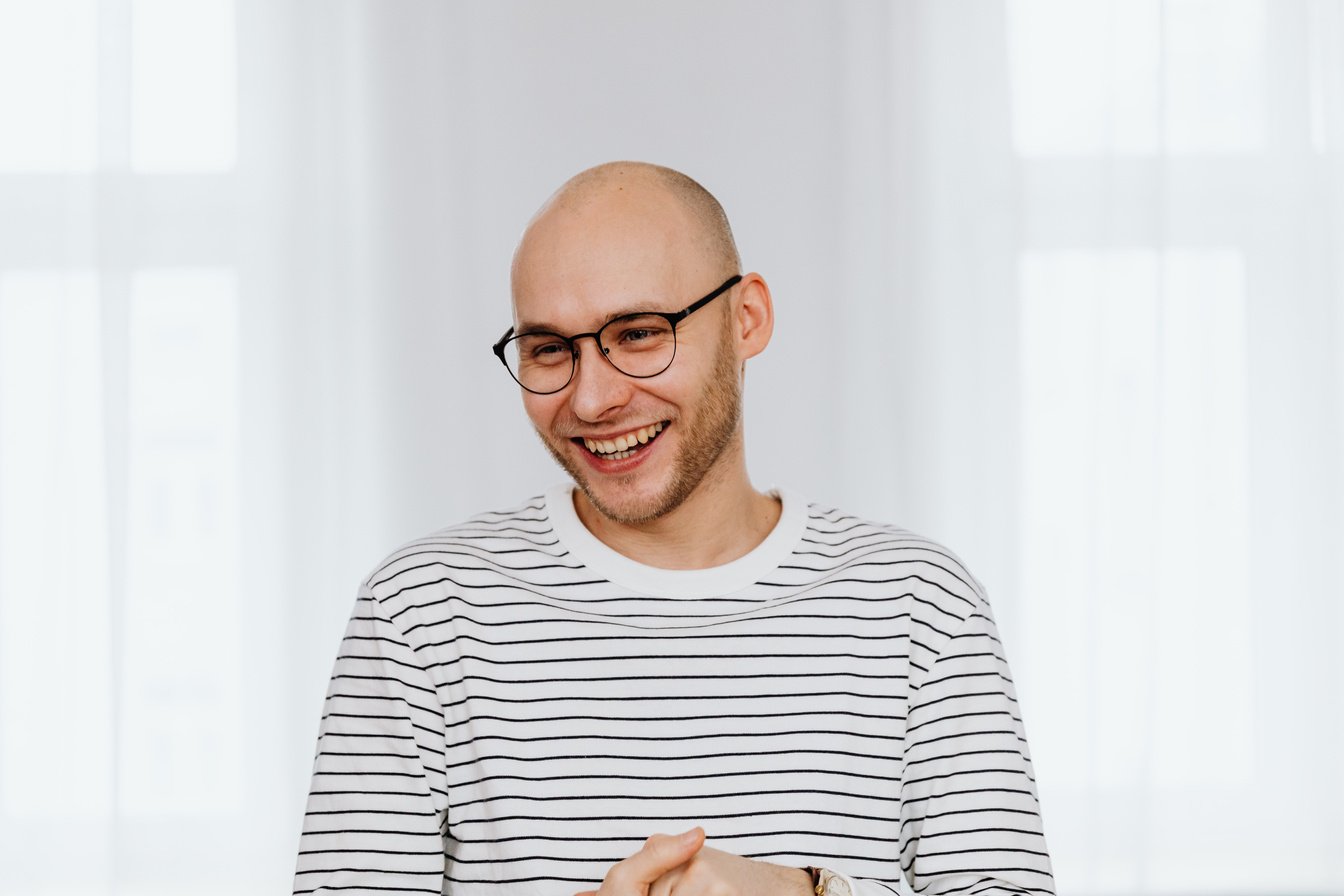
{"points": [[615, 467]]}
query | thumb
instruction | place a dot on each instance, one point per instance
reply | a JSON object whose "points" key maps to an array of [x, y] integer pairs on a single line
{"points": [[661, 853]]}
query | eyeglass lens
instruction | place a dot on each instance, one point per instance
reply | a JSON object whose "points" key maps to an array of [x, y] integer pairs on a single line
{"points": [[639, 345]]}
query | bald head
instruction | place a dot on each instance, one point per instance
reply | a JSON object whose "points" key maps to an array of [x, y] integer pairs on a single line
{"points": [[692, 214]]}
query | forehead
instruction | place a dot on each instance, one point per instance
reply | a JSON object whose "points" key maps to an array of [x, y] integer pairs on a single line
{"points": [[578, 267]]}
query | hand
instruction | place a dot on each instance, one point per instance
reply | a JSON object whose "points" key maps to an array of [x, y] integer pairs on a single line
{"points": [[684, 866]]}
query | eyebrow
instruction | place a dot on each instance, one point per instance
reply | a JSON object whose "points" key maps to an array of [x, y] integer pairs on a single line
{"points": [[528, 328]]}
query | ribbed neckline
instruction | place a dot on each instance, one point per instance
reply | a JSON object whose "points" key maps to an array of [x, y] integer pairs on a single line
{"points": [[676, 583]]}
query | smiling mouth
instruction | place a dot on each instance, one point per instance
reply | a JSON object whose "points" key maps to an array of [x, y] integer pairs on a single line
{"points": [[623, 446]]}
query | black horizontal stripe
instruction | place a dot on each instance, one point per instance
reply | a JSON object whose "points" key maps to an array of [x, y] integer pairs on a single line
{"points": [[712, 776], [626, 658], [984, 849], [978, 811], [663, 698], [312, 812], [337, 870], [963, 715], [633, 738], [963, 754], [367, 792], [672, 817], [685, 676], [362, 832], [696, 757], [386, 852], [798, 792], [329, 887], [700, 717], [384, 678], [650, 710], [847, 835], [464, 638]]}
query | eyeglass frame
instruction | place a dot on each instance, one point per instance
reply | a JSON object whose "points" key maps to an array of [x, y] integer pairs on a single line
{"points": [[672, 317]]}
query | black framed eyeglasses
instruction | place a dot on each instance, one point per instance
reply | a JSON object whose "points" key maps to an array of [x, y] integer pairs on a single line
{"points": [[639, 345]]}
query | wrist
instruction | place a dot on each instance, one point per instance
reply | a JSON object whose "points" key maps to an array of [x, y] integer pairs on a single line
{"points": [[824, 882]]}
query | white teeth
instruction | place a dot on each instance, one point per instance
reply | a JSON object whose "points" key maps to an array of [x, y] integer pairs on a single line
{"points": [[623, 446]]}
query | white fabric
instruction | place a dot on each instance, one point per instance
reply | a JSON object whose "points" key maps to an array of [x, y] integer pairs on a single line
{"points": [[503, 718], [676, 583]]}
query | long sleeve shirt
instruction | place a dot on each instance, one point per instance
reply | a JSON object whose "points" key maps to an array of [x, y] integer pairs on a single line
{"points": [[515, 707]]}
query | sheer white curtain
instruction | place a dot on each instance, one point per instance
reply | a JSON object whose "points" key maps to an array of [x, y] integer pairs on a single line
{"points": [[1059, 283]]}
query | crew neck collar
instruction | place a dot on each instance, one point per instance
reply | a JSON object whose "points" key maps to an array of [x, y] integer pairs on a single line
{"points": [[678, 583]]}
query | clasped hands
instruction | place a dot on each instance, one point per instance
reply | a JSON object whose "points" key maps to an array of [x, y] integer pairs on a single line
{"points": [[682, 865]]}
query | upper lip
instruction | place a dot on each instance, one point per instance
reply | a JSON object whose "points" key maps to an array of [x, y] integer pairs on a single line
{"points": [[620, 432]]}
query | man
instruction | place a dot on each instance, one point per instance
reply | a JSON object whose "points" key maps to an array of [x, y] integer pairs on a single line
{"points": [[664, 681]]}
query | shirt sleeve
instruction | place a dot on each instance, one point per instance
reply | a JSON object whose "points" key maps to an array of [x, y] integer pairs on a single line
{"points": [[970, 818], [378, 803]]}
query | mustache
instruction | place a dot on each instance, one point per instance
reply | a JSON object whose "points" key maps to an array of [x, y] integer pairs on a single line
{"points": [[573, 429]]}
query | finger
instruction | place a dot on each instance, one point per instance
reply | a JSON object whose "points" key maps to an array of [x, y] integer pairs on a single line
{"points": [[659, 855], [667, 884]]}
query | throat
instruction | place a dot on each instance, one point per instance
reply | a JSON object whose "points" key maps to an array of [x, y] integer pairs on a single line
{"points": [[678, 540]]}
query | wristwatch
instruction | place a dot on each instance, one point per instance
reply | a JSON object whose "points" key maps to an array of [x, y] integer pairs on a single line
{"points": [[828, 883]]}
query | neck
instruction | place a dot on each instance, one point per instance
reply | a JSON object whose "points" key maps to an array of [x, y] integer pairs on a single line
{"points": [[724, 504]]}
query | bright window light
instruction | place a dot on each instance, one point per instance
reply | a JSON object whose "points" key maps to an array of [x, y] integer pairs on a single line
{"points": [[48, 85], [55, 641], [1134, 77], [181, 752], [183, 86], [1214, 57], [1134, 540]]}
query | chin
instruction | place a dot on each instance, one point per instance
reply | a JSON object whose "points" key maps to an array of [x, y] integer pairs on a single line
{"points": [[626, 508], [632, 499], [629, 500]]}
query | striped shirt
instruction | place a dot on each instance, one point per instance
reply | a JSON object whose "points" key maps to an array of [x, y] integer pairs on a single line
{"points": [[515, 707]]}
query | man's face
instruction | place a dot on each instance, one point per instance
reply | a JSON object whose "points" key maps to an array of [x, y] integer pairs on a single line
{"points": [[574, 274]]}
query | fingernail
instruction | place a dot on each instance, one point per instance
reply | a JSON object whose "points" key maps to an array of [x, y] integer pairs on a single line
{"points": [[690, 835]]}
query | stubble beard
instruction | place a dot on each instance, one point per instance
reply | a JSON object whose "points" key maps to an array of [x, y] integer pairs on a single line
{"points": [[704, 439]]}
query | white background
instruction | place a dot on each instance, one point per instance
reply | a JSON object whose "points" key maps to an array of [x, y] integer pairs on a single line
{"points": [[1059, 283]]}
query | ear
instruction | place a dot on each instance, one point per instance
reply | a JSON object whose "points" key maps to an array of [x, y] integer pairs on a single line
{"points": [[753, 316]]}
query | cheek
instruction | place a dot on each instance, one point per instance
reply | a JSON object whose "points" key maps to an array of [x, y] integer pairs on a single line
{"points": [[683, 385], [541, 410]]}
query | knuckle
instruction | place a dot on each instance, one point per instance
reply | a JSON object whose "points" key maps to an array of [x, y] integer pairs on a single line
{"points": [[620, 875]]}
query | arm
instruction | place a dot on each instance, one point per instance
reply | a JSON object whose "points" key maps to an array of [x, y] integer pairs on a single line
{"points": [[378, 800], [970, 819]]}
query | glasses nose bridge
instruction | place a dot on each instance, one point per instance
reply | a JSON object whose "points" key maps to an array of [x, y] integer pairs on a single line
{"points": [[597, 340], [598, 380]]}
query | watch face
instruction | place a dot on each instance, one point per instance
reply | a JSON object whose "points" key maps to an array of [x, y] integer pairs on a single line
{"points": [[833, 884]]}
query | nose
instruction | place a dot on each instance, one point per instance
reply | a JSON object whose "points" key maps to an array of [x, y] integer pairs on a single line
{"points": [[598, 387]]}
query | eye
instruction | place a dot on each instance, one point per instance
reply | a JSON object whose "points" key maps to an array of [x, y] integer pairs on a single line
{"points": [[641, 331], [542, 349]]}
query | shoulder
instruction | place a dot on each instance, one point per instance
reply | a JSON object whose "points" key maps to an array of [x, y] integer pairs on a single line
{"points": [[933, 577], [507, 542]]}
